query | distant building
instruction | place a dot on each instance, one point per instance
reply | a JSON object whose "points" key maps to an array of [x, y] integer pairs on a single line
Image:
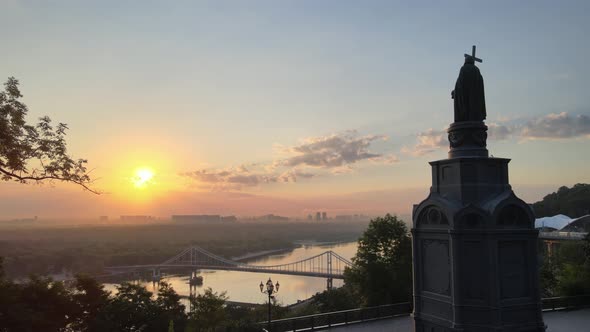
{"points": [[137, 218], [272, 217], [309, 217], [351, 217], [197, 218], [229, 219], [324, 216], [23, 221], [344, 218], [103, 218]]}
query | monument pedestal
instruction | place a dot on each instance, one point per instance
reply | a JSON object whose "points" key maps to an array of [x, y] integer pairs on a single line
{"points": [[474, 245]]}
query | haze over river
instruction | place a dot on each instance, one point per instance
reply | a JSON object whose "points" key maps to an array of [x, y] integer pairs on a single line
{"points": [[243, 286]]}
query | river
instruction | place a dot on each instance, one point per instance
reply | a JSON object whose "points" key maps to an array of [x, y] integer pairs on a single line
{"points": [[244, 286]]}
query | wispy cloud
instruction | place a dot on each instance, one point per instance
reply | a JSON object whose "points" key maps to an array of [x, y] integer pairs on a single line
{"points": [[500, 131], [312, 157], [234, 178], [557, 126], [427, 142], [551, 126], [332, 151]]}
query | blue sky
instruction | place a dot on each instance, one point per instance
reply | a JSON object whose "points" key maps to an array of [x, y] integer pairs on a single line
{"points": [[213, 86]]}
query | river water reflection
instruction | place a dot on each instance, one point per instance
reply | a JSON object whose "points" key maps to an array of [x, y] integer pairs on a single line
{"points": [[243, 286]]}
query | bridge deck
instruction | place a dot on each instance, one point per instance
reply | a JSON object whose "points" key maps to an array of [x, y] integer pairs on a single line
{"points": [[325, 265], [226, 268]]}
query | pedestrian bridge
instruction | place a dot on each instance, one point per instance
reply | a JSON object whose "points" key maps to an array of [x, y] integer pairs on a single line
{"points": [[326, 265]]}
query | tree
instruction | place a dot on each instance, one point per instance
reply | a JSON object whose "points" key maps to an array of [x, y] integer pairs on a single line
{"points": [[132, 309], [34, 153], [208, 310], [573, 202], [171, 310], [586, 248], [90, 298], [548, 277], [382, 268], [336, 299], [38, 304]]}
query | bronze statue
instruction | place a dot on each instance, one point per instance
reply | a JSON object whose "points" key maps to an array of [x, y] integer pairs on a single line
{"points": [[468, 95]]}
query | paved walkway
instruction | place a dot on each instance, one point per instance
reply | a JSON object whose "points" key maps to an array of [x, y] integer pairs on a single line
{"points": [[556, 321]]}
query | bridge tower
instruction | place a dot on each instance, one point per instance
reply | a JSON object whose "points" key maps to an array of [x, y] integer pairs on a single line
{"points": [[156, 274], [329, 266]]}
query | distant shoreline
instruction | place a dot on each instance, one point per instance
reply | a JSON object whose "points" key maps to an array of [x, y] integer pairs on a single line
{"points": [[298, 244], [258, 254]]}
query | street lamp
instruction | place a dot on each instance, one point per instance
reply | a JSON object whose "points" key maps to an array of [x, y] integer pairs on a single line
{"points": [[270, 290]]}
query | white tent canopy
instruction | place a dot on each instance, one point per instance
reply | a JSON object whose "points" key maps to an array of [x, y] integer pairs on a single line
{"points": [[558, 222]]}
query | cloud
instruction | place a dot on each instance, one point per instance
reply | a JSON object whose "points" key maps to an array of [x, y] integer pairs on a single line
{"points": [[293, 174], [332, 154], [557, 126], [235, 178], [332, 151], [428, 141], [551, 126], [499, 131]]}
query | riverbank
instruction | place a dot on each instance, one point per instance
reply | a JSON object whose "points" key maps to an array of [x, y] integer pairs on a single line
{"points": [[260, 254]]}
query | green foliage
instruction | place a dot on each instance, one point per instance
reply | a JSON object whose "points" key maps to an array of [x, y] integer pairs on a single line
{"points": [[548, 277], [131, 309], [568, 273], [574, 280], [208, 310], [573, 202], [39, 304], [170, 308], [586, 249], [336, 299], [1, 268], [90, 299], [34, 153], [382, 267]]}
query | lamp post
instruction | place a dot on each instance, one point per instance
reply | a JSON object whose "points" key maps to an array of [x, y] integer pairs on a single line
{"points": [[270, 290]]}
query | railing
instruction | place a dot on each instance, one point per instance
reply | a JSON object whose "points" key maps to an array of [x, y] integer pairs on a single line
{"points": [[353, 316], [565, 302], [562, 235], [338, 318]]}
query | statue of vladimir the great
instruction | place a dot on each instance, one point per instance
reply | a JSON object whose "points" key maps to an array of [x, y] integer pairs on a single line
{"points": [[470, 104]]}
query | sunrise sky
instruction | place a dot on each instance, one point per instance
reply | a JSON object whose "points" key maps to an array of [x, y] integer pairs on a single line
{"points": [[289, 107]]}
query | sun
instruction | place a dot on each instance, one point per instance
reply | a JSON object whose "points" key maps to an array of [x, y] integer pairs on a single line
{"points": [[142, 177]]}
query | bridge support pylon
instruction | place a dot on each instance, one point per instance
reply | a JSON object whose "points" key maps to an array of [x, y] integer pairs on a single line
{"points": [[156, 275], [329, 283]]}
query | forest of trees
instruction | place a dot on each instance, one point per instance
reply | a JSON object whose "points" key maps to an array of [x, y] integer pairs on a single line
{"points": [[40, 304], [88, 249], [573, 202]]}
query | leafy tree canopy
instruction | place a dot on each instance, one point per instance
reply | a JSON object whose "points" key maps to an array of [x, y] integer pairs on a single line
{"points": [[573, 202], [382, 267], [34, 152], [208, 310]]}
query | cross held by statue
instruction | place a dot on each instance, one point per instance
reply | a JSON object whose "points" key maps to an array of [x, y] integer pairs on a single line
{"points": [[472, 56]]}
